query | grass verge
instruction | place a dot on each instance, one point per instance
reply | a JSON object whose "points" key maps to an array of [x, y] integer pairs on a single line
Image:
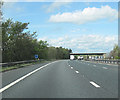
{"points": [[4, 69]]}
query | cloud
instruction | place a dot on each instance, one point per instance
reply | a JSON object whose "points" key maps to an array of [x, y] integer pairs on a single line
{"points": [[23, 0], [60, 0], [56, 5], [11, 6], [84, 43], [76, 30], [85, 16], [10, 0], [34, 0]]}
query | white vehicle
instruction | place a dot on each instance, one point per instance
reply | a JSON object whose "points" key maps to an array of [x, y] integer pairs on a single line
{"points": [[72, 57], [80, 57]]}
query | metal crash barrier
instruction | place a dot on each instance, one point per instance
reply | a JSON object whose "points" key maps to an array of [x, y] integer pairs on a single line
{"points": [[18, 62], [109, 61]]}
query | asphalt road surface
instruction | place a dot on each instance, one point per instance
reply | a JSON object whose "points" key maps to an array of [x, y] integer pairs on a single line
{"points": [[62, 79]]}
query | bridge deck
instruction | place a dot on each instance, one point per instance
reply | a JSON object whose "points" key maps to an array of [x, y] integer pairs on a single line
{"points": [[87, 53]]}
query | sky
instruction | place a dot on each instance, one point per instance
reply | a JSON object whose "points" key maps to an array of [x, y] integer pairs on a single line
{"points": [[80, 26]]}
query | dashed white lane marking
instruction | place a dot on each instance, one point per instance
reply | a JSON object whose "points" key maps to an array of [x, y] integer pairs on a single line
{"points": [[88, 64], [105, 68], [94, 84], [94, 65], [71, 67], [23, 77], [76, 71]]}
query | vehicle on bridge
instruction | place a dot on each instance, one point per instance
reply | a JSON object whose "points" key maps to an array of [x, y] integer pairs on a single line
{"points": [[87, 56], [80, 58], [72, 57]]}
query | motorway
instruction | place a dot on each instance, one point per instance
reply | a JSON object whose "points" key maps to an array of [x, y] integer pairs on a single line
{"points": [[62, 79]]}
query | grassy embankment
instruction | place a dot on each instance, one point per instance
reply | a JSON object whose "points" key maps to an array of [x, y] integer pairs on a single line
{"points": [[3, 69]]}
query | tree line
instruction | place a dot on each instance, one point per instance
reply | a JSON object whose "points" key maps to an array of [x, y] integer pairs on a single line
{"points": [[18, 44], [115, 53]]}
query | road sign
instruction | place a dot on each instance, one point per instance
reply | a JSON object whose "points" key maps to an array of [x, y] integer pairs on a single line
{"points": [[36, 56]]}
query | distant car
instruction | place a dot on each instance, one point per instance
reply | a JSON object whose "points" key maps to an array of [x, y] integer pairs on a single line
{"points": [[72, 57], [80, 58]]}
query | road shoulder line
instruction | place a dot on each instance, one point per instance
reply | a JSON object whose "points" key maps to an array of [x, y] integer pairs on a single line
{"points": [[23, 77]]}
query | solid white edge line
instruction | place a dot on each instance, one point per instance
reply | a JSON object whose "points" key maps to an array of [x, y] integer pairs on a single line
{"points": [[94, 84], [23, 77], [77, 71]]}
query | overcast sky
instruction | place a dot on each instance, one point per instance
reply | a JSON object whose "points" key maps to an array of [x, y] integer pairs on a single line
{"points": [[80, 26]]}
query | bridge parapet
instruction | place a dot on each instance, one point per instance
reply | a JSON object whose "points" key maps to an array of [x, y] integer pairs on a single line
{"points": [[87, 55]]}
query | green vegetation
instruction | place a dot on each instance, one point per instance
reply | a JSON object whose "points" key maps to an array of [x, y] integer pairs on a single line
{"points": [[19, 44], [14, 67], [115, 53], [3, 69]]}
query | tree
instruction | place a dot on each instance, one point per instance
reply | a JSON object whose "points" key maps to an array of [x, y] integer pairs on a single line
{"points": [[115, 53], [1, 4], [19, 44], [42, 49], [16, 42]]}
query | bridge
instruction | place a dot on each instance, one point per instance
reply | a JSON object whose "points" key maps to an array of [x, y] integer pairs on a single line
{"points": [[87, 55]]}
